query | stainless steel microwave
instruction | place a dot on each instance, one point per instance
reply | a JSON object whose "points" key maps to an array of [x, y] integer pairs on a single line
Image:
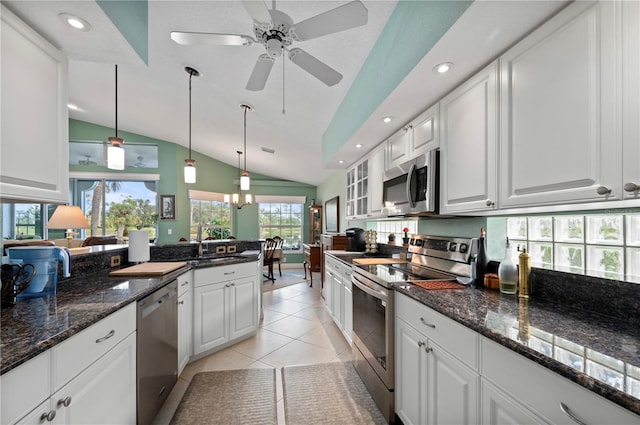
{"points": [[412, 187]]}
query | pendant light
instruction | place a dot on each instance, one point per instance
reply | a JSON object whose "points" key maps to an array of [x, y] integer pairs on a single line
{"points": [[245, 182], [235, 197], [189, 168], [115, 152]]}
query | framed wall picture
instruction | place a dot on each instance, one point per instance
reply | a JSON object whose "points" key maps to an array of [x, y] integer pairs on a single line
{"points": [[167, 207], [331, 211]]}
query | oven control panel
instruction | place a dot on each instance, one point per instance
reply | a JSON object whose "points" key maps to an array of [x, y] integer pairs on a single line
{"points": [[453, 249]]}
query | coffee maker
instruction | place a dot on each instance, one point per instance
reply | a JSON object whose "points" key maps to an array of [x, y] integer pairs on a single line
{"points": [[355, 239]]}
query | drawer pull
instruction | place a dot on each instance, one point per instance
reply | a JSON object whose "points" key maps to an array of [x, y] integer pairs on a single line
{"points": [[228, 273], [49, 416], [185, 283], [64, 402], [566, 411], [106, 337], [427, 324]]}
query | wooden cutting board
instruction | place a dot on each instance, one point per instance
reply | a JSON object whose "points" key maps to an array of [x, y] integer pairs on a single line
{"points": [[149, 269], [368, 261]]}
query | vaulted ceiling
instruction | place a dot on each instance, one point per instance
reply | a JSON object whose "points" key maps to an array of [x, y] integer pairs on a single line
{"points": [[320, 125]]}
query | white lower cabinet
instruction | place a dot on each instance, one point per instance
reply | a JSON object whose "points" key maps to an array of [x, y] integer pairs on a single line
{"points": [[339, 295], [432, 385], [89, 378], [225, 305], [500, 409], [544, 395], [185, 319]]}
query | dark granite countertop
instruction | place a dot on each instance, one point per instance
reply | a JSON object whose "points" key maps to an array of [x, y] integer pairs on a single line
{"points": [[595, 351], [35, 325]]}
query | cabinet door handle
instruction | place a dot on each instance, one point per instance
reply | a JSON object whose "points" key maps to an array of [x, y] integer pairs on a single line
{"points": [[421, 343], [49, 416], [490, 203], [603, 190], [185, 283], [428, 349], [64, 402], [233, 284], [106, 337], [427, 324], [631, 187], [181, 302], [227, 285], [565, 409]]}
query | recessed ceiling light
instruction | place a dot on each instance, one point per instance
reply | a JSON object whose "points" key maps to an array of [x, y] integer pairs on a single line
{"points": [[75, 22], [73, 107], [358, 145], [387, 119], [341, 161], [441, 68]]}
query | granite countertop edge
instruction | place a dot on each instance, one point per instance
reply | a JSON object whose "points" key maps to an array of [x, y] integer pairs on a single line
{"points": [[65, 299]]}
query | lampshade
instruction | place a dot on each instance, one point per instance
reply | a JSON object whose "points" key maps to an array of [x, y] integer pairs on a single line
{"points": [[189, 172], [245, 183], [68, 217], [115, 157]]}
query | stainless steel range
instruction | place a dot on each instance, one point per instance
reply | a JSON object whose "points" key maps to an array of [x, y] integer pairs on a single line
{"points": [[432, 258]]}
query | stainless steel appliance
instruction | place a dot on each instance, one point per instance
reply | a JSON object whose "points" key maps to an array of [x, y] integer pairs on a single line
{"points": [[433, 257], [412, 187], [157, 350]]}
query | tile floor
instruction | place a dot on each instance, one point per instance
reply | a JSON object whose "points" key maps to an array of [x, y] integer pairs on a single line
{"points": [[296, 329]]}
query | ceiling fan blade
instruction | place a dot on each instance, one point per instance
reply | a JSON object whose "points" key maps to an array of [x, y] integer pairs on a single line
{"points": [[260, 73], [350, 15], [258, 11], [313, 66], [207, 38]]}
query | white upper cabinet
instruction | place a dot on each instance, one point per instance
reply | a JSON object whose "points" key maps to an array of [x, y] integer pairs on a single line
{"points": [[559, 110], [376, 179], [468, 143], [631, 99], [425, 131], [34, 163], [398, 146]]}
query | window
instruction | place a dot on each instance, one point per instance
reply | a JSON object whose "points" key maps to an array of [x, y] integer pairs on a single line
{"points": [[596, 245], [209, 214], [284, 220], [385, 228], [113, 207]]}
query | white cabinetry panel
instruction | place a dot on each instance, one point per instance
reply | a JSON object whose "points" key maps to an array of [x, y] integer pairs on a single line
{"points": [[559, 140], [35, 122], [468, 174]]}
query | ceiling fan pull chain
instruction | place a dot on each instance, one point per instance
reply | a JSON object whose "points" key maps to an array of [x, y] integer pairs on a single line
{"points": [[282, 80]]}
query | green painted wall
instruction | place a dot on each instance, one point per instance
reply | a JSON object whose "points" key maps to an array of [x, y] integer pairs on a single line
{"points": [[332, 186], [212, 175]]}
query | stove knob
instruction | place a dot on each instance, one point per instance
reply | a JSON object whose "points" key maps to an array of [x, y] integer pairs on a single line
{"points": [[463, 248], [453, 246]]}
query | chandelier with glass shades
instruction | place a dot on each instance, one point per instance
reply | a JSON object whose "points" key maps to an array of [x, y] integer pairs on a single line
{"points": [[245, 183]]}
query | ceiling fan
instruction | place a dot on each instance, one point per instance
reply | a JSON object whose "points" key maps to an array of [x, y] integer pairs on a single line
{"points": [[87, 161], [276, 31], [140, 164]]}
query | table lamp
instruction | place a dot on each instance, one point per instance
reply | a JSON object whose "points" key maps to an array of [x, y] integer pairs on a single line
{"points": [[68, 217]]}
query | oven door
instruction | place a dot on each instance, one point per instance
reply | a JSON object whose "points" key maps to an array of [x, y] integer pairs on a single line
{"points": [[373, 333]]}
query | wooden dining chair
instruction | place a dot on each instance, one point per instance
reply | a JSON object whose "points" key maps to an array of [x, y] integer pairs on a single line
{"points": [[269, 250], [279, 244]]}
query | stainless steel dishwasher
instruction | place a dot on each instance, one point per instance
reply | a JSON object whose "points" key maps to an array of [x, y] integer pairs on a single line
{"points": [[157, 350]]}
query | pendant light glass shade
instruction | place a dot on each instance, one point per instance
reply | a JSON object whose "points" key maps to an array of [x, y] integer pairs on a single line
{"points": [[190, 164], [189, 171], [115, 151], [245, 182]]}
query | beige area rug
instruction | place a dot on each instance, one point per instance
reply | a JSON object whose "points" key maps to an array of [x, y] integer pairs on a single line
{"points": [[288, 278], [246, 396], [328, 393]]}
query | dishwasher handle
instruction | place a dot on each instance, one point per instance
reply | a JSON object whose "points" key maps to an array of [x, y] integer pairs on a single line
{"points": [[149, 309]]}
